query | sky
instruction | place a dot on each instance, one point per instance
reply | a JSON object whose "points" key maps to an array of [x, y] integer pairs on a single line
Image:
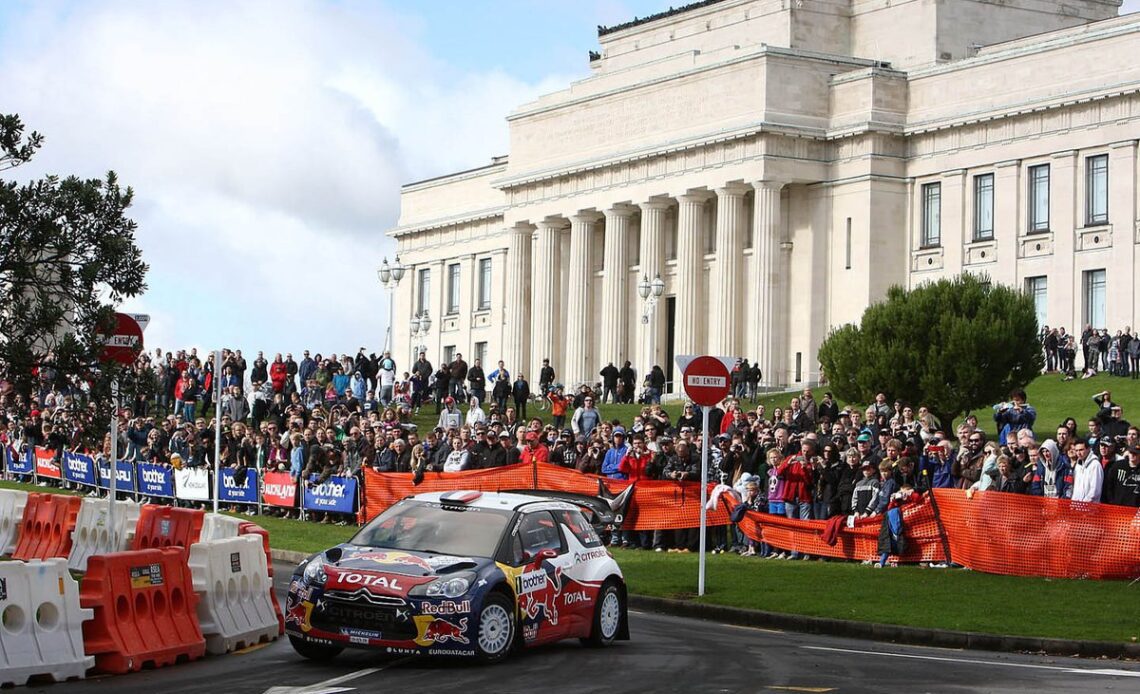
{"points": [[266, 140]]}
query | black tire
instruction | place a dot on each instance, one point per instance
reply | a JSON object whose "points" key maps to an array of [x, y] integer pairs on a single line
{"points": [[610, 598], [497, 642], [314, 651]]}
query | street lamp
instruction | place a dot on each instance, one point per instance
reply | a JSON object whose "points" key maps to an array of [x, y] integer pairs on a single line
{"points": [[390, 276], [650, 293], [421, 324]]}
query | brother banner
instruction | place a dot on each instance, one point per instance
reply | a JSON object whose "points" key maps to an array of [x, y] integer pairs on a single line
{"points": [[19, 464], [192, 483], [155, 480], [280, 490], [233, 493], [124, 475], [337, 494], [79, 468]]}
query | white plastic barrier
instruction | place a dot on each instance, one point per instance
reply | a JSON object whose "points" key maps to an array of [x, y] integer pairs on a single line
{"points": [[232, 582], [42, 622], [92, 533], [216, 526], [12, 503]]}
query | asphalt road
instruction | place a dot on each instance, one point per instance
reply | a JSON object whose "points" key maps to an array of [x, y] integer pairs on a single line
{"points": [[667, 654]]}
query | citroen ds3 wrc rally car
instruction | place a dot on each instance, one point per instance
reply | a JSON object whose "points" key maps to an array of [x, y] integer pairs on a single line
{"points": [[460, 574]]}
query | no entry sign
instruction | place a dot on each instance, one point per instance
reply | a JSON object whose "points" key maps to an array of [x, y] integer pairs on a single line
{"points": [[706, 381], [126, 341]]}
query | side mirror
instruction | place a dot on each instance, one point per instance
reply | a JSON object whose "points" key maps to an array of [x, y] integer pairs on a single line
{"points": [[541, 555]]}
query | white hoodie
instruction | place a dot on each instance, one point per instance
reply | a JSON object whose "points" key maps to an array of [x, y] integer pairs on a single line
{"points": [[1088, 476]]}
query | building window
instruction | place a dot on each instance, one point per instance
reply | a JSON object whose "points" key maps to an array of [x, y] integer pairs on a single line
{"points": [[931, 215], [1038, 289], [847, 262], [453, 288], [799, 367], [1094, 290], [984, 207], [448, 354], [1038, 198], [484, 284], [1096, 190], [423, 291], [481, 352]]}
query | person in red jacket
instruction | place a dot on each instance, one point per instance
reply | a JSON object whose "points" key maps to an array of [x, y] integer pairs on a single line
{"points": [[796, 471], [535, 450], [278, 372], [636, 462]]}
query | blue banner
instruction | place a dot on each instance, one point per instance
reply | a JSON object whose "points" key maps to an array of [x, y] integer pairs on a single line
{"points": [[79, 468], [124, 475], [19, 464], [156, 480], [232, 493], [337, 494]]}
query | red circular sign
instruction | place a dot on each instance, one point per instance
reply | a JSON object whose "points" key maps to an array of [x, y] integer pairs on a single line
{"points": [[706, 381], [126, 342]]}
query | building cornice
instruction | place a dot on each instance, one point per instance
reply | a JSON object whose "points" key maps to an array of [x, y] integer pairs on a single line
{"points": [[453, 220]]}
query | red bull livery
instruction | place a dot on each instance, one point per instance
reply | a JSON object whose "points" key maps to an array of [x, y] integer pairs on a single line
{"points": [[465, 574]]}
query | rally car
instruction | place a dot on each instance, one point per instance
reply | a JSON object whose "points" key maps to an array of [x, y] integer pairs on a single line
{"points": [[460, 574]]}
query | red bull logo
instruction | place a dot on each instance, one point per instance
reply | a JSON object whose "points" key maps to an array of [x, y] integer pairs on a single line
{"points": [[403, 558], [437, 630], [535, 594]]}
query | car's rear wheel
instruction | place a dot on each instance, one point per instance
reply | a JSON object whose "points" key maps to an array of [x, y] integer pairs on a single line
{"points": [[495, 633], [314, 651], [608, 614]]}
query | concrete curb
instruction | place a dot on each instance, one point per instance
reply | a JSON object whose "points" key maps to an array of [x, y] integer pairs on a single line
{"points": [[892, 633], [884, 632]]}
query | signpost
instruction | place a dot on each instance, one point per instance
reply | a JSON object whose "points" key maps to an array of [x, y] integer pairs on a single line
{"points": [[706, 382], [122, 346]]}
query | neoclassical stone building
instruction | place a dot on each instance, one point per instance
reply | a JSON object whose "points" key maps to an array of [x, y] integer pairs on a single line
{"points": [[779, 164]]}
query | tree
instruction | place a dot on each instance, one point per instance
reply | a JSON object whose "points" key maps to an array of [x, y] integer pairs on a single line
{"points": [[67, 258], [954, 345]]}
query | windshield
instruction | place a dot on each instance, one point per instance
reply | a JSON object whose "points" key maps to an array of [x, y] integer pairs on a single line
{"points": [[429, 527]]}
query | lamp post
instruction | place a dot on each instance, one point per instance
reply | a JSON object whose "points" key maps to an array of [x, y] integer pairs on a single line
{"points": [[421, 324], [390, 276], [650, 293]]}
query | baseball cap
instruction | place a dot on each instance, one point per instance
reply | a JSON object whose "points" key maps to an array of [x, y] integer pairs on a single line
{"points": [[1133, 449], [449, 400], [867, 464], [504, 435], [619, 431], [863, 437], [532, 436]]}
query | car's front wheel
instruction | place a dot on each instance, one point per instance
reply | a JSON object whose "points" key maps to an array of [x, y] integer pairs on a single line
{"points": [[314, 651], [608, 614], [495, 632]]}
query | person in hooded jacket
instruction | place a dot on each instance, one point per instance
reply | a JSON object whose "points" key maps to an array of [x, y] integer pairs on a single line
{"points": [[1088, 475], [1052, 478]]}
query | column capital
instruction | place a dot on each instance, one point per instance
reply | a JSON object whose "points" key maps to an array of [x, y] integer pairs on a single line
{"points": [[770, 185], [586, 217], [695, 197], [621, 210], [521, 228], [551, 223], [658, 205], [730, 190]]}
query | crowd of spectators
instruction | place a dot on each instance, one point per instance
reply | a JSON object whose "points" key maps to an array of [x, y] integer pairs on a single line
{"points": [[1114, 355], [326, 416]]}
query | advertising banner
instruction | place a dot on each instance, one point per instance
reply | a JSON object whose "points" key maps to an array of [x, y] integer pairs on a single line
{"points": [[156, 480], [192, 484], [19, 464], [234, 493], [124, 475], [336, 494], [45, 463], [280, 490], [79, 468]]}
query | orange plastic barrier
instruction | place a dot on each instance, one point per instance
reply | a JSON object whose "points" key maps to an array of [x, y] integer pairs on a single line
{"points": [[999, 533], [145, 610], [247, 528], [1024, 535], [656, 504], [165, 526], [45, 530]]}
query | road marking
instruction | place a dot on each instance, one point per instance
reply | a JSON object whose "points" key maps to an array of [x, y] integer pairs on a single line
{"points": [[1106, 672], [329, 686], [251, 649], [800, 689]]}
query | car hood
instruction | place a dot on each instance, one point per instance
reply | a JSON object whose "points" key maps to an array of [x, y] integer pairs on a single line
{"points": [[399, 561]]}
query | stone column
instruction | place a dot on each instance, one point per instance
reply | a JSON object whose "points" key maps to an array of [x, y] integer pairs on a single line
{"points": [[613, 316], [579, 318], [690, 257], [544, 275], [768, 311], [652, 259], [725, 309], [516, 303]]}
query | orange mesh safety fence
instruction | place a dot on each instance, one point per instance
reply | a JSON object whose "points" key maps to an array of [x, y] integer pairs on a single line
{"points": [[1023, 535], [998, 533]]}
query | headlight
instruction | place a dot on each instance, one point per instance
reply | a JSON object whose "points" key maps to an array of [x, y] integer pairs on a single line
{"points": [[447, 587], [315, 571]]}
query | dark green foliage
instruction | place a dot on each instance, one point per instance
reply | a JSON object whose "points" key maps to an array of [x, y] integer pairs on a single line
{"points": [[953, 345], [67, 258]]}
